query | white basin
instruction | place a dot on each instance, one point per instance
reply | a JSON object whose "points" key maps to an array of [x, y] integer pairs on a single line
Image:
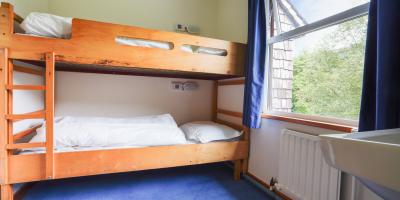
{"points": [[374, 156]]}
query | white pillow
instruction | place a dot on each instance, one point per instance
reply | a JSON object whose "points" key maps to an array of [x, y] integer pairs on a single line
{"points": [[47, 25], [207, 131]]}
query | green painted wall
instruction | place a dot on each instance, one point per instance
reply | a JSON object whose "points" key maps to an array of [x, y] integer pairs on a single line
{"points": [[223, 19]]}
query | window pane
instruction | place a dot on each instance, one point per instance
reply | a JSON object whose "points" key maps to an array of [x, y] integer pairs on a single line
{"points": [[321, 72], [296, 13]]}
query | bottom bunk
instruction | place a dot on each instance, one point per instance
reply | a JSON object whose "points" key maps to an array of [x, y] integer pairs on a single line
{"points": [[31, 167], [86, 146]]}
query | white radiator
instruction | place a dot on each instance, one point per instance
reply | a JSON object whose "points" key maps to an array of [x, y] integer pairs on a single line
{"points": [[303, 172]]}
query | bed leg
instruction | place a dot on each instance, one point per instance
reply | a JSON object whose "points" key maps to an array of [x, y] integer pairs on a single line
{"points": [[245, 165], [7, 192], [237, 169]]}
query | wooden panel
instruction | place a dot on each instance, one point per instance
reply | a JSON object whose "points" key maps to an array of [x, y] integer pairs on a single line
{"points": [[84, 163], [25, 87], [28, 70], [231, 82], [24, 133], [230, 113], [50, 67], [319, 124], [93, 43], [32, 115]]}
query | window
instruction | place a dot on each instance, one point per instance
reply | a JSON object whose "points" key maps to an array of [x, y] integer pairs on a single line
{"points": [[316, 68]]}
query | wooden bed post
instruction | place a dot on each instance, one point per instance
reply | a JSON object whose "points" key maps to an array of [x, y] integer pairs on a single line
{"points": [[241, 166], [6, 188], [7, 19], [50, 67], [6, 130], [246, 137], [214, 101]]}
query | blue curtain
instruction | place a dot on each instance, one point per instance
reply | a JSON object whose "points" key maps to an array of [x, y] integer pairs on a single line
{"points": [[255, 63], [380, 104]]}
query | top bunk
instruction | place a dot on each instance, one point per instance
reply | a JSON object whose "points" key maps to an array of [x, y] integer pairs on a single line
{"points": [[100, 47]]}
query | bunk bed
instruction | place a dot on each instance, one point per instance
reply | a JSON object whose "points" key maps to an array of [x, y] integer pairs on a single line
{"points": [[92, 47]]}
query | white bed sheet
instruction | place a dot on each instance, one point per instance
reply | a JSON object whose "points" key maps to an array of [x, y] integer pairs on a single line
{"points": [[96, 133], [53, 26], [109, 132], [73, 149]]}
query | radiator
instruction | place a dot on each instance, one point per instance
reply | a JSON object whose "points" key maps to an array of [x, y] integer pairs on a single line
{"points": [[303, 172]]}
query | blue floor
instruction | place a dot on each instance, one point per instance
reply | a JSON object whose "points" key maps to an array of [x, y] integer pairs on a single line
{"points": [[212, 181]]}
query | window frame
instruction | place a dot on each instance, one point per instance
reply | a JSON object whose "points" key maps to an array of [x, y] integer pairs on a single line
{"points": [[350, 14]]}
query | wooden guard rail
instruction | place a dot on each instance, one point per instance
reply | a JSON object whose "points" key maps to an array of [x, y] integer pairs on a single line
{"points": [[47, 113]]}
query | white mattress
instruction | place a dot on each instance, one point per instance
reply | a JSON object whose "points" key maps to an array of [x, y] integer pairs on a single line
{"points": [[47, 25], [96, 133], [74, 149]]}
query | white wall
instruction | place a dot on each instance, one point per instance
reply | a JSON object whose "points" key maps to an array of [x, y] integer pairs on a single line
{"points": [[84, 94], [26, 101]]}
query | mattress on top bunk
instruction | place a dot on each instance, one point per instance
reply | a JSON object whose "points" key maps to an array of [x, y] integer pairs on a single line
{"points": [[95, 133], [47, 25]]}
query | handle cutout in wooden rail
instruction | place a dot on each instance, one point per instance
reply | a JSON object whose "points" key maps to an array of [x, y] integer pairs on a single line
{"points": [[138, 42], [204, 50]]}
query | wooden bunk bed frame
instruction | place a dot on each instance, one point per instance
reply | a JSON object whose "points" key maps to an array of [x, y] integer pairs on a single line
{"points": [[92, 48]]}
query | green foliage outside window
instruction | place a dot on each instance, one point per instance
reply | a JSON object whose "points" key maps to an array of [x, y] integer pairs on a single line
{"points": [[327, 80]]}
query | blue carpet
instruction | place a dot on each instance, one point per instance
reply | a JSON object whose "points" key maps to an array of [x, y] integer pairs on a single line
{"points": [[211, 181]]}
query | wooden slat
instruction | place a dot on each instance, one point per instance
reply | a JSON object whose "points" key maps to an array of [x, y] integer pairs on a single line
{"points": [[28, 70], [25, 87], [26, 132], [33, 115], [10, 107], [18, 18], [214, 100], [319, 124], [324, 125], [3, 121], [50, 69], [85, 163], [230, 113], [231, 82], [230, 124], [26, 145]]}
